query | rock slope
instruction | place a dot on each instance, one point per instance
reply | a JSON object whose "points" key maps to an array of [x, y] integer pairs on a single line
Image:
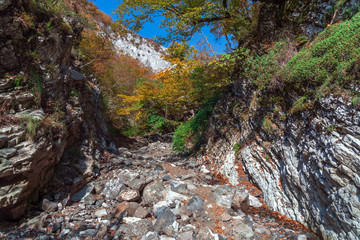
{"points": [[47, 109], [150, 193], [307, 166]]}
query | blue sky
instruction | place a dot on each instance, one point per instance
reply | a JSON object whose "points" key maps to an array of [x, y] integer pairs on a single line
{"points": [[150, 30]]}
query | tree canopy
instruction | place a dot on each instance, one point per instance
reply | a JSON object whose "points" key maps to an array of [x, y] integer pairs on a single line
{"points": [[183, 18]]}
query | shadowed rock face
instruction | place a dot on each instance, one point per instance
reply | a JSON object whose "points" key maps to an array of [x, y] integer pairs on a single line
{"points": [[27, 164], [308, 17]]}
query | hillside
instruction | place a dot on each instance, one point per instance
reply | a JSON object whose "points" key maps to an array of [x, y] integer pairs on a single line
{"points": [[105, 134]]}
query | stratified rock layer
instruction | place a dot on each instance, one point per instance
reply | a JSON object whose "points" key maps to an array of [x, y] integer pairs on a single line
{"points": [[307, 166], [37, 127]]}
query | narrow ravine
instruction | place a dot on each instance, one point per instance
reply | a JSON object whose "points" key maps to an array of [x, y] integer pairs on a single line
{"points": [[152, 193]]}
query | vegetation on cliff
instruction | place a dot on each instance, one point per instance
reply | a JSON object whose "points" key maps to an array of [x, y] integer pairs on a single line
{"points": [[289, 76]]}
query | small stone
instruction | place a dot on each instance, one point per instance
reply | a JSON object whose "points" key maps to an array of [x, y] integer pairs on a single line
{"points": [[130, 195], [241, 200], [173, 196], [204, 170], [153, 192], [137, 184], [150, 236], [158, 168], [166, 178], [164, 218], [301, 237], [196, 205], [186, 236], [141, 213], [48, 206], [100, 213], [102, 231], [225, 217], [137, 229], [179, 187], [254, 202], [266, 231], [45, 237], [243, 231], [88, 233], [84, 192], [128, 207], [63, 233], [224, 196], [56, 226]]}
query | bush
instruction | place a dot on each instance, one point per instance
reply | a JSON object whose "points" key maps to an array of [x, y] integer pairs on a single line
{"points": [[265, 70], [31, 123], [194, 128], [334, 57]]}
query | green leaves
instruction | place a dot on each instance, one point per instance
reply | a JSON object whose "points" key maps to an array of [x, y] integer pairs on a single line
{"points": [[182, 19]]}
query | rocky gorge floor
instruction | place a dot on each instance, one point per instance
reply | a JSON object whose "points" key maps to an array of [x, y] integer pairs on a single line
{"points": [[151, 193]]}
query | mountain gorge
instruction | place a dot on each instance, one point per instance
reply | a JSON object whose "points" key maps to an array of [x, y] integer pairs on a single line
{"points": [[262, 142]]}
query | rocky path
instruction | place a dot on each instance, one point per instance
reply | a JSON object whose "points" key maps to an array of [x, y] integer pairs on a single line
{"points": [[150, 193]]}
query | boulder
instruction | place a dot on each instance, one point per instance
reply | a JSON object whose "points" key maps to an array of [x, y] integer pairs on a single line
{"points": [[153, 192]]}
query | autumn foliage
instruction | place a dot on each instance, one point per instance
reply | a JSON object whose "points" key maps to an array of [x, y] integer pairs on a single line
{"points": [[116, 73], [175, 94]]}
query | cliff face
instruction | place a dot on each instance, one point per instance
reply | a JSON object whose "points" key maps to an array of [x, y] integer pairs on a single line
{"points": [[308, 172], [306, 164], [47, 108]]}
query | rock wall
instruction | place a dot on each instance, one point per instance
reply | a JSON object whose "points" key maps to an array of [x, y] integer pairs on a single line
{"points": [[307, 166], [47, 109], [301, 18]]}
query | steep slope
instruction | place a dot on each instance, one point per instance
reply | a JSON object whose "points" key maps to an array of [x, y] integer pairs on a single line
{"points": [[144, 50], [297, 141], [47, 107]]}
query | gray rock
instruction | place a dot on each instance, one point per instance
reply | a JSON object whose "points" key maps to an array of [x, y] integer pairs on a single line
{"points": [[137, 184], [137, 229], [129, 195], [196, 205], [76, 76], [164, 218], [48, 206], [179, 187], [150, 236], [101, 213], [83, 193], [113, 188], [153, 192], [4, 4], [186, 236], [263, 230], [241, 200], [224, 196], [88, 233], [242, 231], [206, 234], [141, 212], [64, 233], [8, 153]]}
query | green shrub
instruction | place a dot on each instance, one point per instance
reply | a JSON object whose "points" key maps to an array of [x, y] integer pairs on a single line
{"points": [[31, 123], [237, 147], [356, 101], [333, 57], [265, 70], [193, 129], [300, 105], [267, 124], [159, 124]]}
